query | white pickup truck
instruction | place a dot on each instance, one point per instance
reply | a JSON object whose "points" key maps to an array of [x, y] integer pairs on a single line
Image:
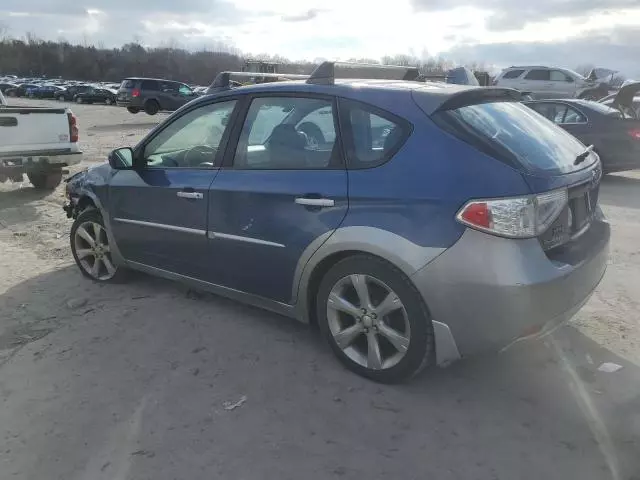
{"points": [[37, 141]]}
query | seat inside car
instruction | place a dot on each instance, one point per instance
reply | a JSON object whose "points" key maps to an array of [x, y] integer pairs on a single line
{"points": [[287, 147]]}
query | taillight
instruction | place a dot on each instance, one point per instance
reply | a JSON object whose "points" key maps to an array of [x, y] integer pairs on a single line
{"points": [[518, 217], [635, 133], [73, 127], [135, 92]]}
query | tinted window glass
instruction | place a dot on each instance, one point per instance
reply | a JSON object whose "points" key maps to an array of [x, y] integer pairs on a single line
{"points": [[128, 84], [512, 74], [192, 140], [558, 76], [374, 136], [512, 132], [149, 85], [279, 133], [573, 116], [538, 75]]}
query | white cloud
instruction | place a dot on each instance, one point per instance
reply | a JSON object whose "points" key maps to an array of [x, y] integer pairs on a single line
{"points": [[326, 28]]}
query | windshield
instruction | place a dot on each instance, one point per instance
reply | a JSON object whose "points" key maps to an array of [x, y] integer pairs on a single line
{"points": [[514, 133]]}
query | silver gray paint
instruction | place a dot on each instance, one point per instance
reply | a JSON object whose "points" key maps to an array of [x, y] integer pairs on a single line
{"points": [[490, 290]]}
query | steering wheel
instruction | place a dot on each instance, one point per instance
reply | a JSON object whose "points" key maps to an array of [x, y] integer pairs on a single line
{"points": [[200, 155]]}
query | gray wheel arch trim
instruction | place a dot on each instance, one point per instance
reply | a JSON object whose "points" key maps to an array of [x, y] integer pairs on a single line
{"points": [[404, 254], [116, 256]]}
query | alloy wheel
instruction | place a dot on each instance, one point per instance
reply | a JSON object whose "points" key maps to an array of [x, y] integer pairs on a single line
{"points": [[92, 250], [368, 321]]}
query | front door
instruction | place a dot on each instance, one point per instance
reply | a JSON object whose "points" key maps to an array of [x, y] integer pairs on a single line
{"points": [[159, 210], [285, 187]]}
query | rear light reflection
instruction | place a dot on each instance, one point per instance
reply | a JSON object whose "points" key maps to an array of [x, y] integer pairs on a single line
{"points": [[635, 133]]}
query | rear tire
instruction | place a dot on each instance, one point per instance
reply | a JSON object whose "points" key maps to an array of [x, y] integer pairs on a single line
{"points": [[389, 349], [151, 107], [133, 110], [45, 180], [108, 101]]}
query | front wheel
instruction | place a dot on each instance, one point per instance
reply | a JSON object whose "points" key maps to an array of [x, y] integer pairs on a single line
{"points": [[375, 320], [45, 180], [90, 248]]}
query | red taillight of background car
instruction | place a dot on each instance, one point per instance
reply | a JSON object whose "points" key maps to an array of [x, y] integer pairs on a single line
{"points": [[73, 127], [635, 133], [135, 92]]}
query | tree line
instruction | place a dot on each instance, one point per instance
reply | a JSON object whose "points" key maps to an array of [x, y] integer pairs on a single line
{"points": [[33, 57]]}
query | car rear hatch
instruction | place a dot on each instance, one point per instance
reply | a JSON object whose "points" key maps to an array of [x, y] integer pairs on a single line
{"points": [[557, 167], [125, 91]]}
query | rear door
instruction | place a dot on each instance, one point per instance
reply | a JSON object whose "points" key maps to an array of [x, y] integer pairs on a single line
{"points": [[562, 85], [280, 193], [538, 82], [159, 210]]}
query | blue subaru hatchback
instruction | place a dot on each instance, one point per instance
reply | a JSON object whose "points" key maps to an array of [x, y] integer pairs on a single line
{"points": [[414, 222]]}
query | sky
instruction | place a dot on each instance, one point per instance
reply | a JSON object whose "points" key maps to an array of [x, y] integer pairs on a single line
{"points": [[497, 33]]}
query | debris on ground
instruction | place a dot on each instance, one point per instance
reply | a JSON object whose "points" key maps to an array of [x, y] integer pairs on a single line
{"points": [[609, 367], [233, 405], [76, 303]]}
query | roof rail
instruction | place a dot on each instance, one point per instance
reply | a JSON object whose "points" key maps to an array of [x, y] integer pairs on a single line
{"points": [[325, 73], [227, 80]]}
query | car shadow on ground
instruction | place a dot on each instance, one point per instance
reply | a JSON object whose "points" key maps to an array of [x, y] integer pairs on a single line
{"points": [[16, 202], [620, 191], [159, 381]]}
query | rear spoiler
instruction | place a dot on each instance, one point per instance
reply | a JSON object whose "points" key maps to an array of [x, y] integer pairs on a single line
{"points": [[454, 98]]}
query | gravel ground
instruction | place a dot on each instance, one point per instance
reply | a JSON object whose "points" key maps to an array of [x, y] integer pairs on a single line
{"points": [[138, 381]]}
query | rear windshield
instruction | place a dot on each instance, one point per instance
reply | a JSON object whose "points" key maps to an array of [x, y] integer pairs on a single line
{"points": [[128, 83], [512, 132]]}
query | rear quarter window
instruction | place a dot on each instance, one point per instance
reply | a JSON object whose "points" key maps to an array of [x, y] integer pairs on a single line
{"points": [[128, 83], [372, 135], [514, 133]]}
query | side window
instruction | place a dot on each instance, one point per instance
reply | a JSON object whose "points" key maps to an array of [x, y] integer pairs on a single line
{"points": [[541, 75], [374, 136], [574, 116], [512, 74], [286, 133], [150, 85], [169, 87], [192, 140], [552, 111], [558, 76], [184, 90]]}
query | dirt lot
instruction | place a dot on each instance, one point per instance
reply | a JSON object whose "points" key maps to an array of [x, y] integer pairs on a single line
{"points": [[133, 381]]}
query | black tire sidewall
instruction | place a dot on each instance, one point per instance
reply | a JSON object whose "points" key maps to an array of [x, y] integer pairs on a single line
{"points": [[421, 350], [45, 180], [151, 107]]}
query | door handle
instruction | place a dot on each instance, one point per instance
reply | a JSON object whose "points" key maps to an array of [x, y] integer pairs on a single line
{"points": [[191, 195], [315, 202]]}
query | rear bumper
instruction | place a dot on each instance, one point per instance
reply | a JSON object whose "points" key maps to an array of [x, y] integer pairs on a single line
{"points": [[40, 159], [492, 291]]}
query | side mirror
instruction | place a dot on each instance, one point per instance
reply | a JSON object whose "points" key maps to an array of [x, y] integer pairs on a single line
{"points": [[121, 158]]}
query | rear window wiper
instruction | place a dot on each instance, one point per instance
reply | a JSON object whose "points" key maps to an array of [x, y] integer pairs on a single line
{"points": [[583, 156]]}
